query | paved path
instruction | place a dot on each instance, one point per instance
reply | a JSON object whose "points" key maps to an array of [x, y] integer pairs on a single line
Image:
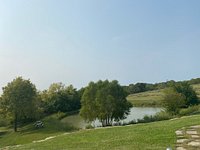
{"points": [[188, 138]]}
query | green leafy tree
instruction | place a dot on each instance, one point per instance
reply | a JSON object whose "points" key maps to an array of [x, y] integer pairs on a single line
{"points": [[173, 101], [186, 90], [19, 100], [105, 101], [59, 98]]}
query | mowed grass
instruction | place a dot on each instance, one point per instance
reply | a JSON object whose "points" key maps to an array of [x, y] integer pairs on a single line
{"points": [[28, 133], [149, 136], [153, 98]]}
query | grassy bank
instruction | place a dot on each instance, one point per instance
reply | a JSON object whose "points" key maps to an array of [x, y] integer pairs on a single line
{"points": [[155, 136], [147, 99]]}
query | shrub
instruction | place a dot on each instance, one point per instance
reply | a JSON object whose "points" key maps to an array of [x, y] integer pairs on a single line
{"points": [[163, 115], [190, 110], [173, 101], [89, 126]]}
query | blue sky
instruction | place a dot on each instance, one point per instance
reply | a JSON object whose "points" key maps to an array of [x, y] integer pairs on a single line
{"points": [[77, 41]]}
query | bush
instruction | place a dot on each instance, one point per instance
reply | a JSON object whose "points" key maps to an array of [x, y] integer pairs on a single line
{"points": [[188, 92], [89, 126], [55, 124], [173, 101], [190, 110], [157, 117]]}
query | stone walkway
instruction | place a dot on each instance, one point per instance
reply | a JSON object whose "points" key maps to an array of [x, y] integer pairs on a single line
{"points": [[188, 138]]}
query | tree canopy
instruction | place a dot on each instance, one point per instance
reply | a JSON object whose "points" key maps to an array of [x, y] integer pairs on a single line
{"points": [[173, 101], [60, 98], [105, 101], [179, 95], [19, 100], [186, 90]]}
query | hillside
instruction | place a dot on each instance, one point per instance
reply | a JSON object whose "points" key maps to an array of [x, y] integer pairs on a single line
{"points": [[155, 136], [152, 98]]}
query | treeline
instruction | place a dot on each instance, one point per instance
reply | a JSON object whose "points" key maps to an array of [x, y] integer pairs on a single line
{"points": [[143, 87], [21, 102], [104, 100]]}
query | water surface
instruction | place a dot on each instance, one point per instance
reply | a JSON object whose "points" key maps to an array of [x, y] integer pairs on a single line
{"points": [[135, 113]]}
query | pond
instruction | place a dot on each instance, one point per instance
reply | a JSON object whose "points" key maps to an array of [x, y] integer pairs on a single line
{"points": [[135, 113]]}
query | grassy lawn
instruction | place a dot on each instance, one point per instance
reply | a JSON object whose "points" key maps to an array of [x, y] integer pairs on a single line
{"points": [[150, 136], [28, 133], [152, 98]]}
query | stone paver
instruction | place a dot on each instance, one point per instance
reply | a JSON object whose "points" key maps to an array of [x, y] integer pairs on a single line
{"points": [[181, 140], [191, 132], [188, 138], [195, 136], [193, 143], [180, 148], [179, 132]]}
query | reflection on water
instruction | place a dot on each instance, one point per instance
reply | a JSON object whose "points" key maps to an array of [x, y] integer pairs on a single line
{"points": [[135, 113]]}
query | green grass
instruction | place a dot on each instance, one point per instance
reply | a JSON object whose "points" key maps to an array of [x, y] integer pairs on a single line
{"points": [[74, 120], [152, 98], [149, 98], [149, 136], [28, 133]]}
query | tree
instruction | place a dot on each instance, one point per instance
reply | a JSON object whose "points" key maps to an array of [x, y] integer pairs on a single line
{"points": [[105, 101], [18, 99], [186, 90], [173, 101], [60, 98]]}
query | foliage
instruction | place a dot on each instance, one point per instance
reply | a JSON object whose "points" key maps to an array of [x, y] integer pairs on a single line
{"points": [[194, 81], [19, 100], [105, 101], [142, 87], [59, 98], [173, 101], [163, 115], [89, 126], [190, 110], [187, 91]]}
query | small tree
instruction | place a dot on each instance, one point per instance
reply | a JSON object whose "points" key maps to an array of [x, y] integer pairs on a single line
{"points": [[186, 90], [173, 101], [18, 99]]}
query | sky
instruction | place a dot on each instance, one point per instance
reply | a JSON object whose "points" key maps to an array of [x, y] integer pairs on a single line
{"points": [[78, 41]]}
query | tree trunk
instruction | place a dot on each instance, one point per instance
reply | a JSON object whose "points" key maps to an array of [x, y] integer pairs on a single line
{"points": [[15, 123]]}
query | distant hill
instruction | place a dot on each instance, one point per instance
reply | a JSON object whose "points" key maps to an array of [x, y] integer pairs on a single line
{"points": [[143, 87], [153, 98]]}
